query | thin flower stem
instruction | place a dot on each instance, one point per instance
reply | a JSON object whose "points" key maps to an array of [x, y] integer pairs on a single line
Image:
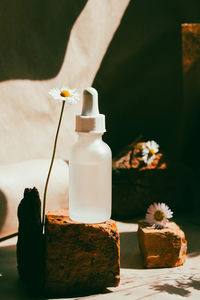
{"points": [[51, 165]]}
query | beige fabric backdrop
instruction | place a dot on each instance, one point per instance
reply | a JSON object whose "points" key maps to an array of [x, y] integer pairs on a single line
{"points": [[31, 64], [28, 116]]}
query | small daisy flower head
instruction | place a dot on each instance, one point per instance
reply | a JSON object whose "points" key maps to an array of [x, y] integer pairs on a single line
{"points": [[158, 214], [70, 96], [148, 151]]}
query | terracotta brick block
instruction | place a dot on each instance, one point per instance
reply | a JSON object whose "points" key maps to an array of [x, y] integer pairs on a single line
{"points": [[164, 247], [136, 185], [80, 257], [190, 45]]}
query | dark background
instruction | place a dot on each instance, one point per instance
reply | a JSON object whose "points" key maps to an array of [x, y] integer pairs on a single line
{"points": [[140, 81], [141, 84]]}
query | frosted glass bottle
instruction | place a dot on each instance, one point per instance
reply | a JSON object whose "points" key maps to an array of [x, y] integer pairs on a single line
{"points": [[90, 179], [90, 163]]}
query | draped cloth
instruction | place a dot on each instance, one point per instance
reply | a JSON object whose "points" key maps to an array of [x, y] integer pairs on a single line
{"points": [[45, 44]]}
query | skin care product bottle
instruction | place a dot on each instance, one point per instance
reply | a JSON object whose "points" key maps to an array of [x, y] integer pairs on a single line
{"points": [[90, 172]]}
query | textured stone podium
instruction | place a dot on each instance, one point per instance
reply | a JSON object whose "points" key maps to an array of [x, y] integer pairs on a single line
{"points": [[136, 185], [164, 247], [80, 257]]}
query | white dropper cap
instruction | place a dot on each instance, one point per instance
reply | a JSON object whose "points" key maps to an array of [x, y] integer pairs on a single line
{"points": [[90, 119]]}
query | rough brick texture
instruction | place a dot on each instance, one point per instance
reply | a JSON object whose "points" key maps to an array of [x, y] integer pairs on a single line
{"points": [[80, 257], [190, 45], [164, 247]]}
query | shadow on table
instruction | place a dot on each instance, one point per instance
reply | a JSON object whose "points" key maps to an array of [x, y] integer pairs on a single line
{"points": [[12, 287], [184, 285], [78, 294], [130, 255], [179, 287], [193, 239], [192, 234]]}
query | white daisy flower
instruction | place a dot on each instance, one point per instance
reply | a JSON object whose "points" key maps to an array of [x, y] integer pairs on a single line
{"points": [[158, 215], [65, 94], [148, 151], [69, 96]]}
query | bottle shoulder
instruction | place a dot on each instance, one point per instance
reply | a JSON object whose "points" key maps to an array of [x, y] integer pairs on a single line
{"points": [[94, 144], [98, 150]]}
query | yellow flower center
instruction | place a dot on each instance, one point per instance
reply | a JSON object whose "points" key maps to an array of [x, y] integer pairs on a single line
{"points": [[159, 215], [152, 151], [65, 93]]}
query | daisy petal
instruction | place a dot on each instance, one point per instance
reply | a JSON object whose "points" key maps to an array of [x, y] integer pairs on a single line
{"points": [[149, 150], [158, 215], [72, 96]]}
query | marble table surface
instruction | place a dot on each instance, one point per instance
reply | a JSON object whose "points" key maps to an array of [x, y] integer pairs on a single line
{"points": [[136, 282]]}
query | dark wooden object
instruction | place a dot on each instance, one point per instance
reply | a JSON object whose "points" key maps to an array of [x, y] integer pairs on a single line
{"points": [[30, 251], [80, 257]]}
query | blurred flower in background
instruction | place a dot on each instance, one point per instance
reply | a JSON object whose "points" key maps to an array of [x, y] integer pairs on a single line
{"points": [[149, 150]]}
